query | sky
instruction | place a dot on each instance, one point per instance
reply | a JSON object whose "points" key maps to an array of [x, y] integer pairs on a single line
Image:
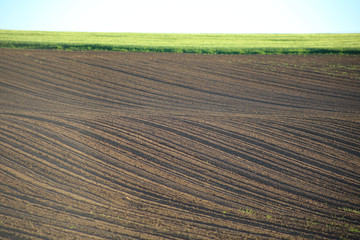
{"points": [[182, 16]]}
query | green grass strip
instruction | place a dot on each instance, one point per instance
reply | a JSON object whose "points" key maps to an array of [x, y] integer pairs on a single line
{"points": [[185, 43]]}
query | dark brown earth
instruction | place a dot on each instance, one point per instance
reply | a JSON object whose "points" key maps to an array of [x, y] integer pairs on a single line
{"points": [[109, 145]]}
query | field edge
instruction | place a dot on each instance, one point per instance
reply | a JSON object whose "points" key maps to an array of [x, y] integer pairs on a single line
{"points": [[198, 50]]}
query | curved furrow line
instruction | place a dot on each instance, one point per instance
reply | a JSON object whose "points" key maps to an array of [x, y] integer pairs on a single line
{"points": [[317, 175], [55, 186], [317, 76], [161, 84], [34, 97], [295, 92], [195, 173], [246, 75], [301, 157], [49, 177], [218, 184], [131, 89], [148, 91], [257, 151], [107, 86], [85, 155], [192, 90], [44, 166], [340, 144], [252, 148], [241, 137], [304, 82], [63, 92], [211, 84], [333, 199], [34, 180], [323, 211], [92, 215], [117, 67], [182, 75], [192, 171], [83, 227], [339, 129], [27, 197], [70, 87], [274, 182], [143, 144], [24, 92], [305, 143], [157, 159], [301, 145], [304, 71], [269, 97]]}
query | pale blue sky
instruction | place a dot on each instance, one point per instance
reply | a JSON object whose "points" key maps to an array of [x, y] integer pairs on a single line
{"points": [[183, 16]]}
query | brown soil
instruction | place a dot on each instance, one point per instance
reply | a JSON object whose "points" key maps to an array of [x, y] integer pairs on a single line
{"points": [[106, 145]]}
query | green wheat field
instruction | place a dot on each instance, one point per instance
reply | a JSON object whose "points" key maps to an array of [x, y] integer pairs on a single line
{"points": [[185, 43]]}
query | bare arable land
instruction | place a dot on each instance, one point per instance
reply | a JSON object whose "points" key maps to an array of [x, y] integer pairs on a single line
{"points": [[124, 145]]}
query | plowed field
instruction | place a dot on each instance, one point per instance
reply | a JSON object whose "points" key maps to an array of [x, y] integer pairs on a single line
{"points": [[106, 145]]}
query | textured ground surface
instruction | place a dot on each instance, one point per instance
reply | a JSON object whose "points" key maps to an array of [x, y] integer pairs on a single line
{"points": [[110, 145]]}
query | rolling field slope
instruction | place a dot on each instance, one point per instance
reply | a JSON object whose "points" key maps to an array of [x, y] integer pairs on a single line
{"points": [[111, 145]]}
